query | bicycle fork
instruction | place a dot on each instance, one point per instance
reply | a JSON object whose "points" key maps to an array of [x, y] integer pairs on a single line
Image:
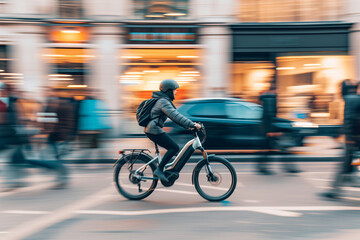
{"points": [[209, 173]]}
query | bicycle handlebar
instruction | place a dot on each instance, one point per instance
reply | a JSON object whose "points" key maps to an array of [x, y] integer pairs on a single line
{"points": [[202, 130]]}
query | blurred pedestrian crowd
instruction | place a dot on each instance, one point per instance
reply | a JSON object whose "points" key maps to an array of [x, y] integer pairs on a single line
{"points": [[51, 126], [47, 128]]}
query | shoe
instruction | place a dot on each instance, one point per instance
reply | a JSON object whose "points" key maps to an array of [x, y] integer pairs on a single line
{"points": [[60, 185], [329, 195], [160, 174], [13, 187], [264, 171], [61, 180], [292, 170]]}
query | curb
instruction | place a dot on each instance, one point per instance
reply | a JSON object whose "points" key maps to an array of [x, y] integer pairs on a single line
{"points": [[231, 158]]}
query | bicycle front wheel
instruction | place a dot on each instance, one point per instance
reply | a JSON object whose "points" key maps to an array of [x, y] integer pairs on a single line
{"points": [[131, 184], [215, 181]]}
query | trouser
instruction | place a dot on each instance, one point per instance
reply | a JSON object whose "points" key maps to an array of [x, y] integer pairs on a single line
{"points": [[345, 168], [163, 140], [265, 158], [15, 169]]}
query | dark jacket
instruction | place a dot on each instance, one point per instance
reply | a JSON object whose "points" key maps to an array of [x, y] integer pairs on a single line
{"points": [[352, 117], [65, 126], [163, 109], [269, 102]]}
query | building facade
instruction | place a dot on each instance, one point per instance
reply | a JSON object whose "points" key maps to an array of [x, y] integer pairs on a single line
{"points": [[212, 48]]}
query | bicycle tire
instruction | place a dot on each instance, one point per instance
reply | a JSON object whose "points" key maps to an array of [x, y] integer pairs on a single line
{"points": [[214, 161], [141, 159]]}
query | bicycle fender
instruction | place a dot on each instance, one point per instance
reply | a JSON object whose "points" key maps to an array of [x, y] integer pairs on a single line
{"points": [[196, 168], [118, 160]]}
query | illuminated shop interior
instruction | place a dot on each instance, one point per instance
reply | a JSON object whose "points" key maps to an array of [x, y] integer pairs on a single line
{"points": [[308, 87], [144, 69], [69, 67]]}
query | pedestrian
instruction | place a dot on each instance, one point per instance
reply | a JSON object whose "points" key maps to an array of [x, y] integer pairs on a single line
{"points": [[59, 129], [348, 87], [351, 128], [11, 139], [17, 137], [276, 138], [93, 121]]}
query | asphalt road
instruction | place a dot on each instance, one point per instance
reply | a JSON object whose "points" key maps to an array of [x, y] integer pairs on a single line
{"points": [[281, 206]]}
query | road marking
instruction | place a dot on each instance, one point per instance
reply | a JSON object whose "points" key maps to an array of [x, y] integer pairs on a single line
{"points": [[308, 173], [25, 212], [36, 225], [277, 211], [320, 179], [251, 201], [351, 198], [208, 187], [27, 189], [164, 189], [176, 191], [354, 189]]}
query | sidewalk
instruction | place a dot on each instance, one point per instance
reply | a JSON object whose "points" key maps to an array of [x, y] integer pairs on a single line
{"points": [[315, 149]]}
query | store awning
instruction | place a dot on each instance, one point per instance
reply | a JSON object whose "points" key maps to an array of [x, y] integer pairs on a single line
{"points": [[290, 37]]}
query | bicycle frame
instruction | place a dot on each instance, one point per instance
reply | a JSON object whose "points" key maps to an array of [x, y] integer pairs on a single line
{"points": [[181, 159]]}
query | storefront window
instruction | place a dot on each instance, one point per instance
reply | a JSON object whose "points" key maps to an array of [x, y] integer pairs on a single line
{"points": [[144, 69], [6, 75], [310, 86], [161, 9], [69, 67], [70, 8], [289, 10], [250, 79]]}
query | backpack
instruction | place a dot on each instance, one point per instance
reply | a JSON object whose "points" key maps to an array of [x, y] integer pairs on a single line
{"points": [[143, 111]]}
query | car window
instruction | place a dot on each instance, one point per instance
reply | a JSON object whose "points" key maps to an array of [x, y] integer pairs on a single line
{"points": [[210, 110], [243, 111], [183, 109]]}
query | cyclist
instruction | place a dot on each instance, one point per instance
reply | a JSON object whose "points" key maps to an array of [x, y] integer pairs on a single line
{"points": [[163, 109]]}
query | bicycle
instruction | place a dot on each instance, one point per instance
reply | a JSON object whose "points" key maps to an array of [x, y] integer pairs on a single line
{"points": [[214, 177]]}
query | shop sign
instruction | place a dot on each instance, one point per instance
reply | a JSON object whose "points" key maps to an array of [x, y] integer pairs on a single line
{"points": [[162, 35], [63, 34]]}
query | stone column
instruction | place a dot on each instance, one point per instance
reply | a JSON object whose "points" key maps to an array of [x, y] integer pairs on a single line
{"points": [[28, 59], [106, 69], [352, 14], [108, 9], [213, 10], [216, 57]]}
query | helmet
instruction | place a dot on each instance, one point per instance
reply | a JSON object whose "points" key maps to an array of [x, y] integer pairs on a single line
{"points": [[168, 84]]}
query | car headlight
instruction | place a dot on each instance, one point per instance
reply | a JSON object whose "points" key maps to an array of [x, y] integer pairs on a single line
{"points": [[304, 124]]}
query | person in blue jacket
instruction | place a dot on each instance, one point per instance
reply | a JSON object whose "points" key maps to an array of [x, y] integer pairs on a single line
{"points": [[93, 119]]}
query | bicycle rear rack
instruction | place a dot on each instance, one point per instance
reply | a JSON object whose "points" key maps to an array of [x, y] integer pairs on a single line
{"points": [[133, 151]]}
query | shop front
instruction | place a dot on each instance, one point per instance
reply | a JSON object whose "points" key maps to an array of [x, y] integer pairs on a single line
{"points": [[305, 61], [68, 58], [155, 53], [6, 75]]}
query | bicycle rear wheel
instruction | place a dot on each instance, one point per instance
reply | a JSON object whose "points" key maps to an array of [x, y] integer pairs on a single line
{"points": [[131, 185], [217, 186]]}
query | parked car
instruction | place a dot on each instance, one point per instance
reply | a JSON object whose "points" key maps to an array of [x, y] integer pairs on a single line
{"points": [[232, 123]]}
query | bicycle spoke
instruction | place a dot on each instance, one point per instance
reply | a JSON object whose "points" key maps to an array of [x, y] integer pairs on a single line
{"points": [[216, 183], [132, 184]]}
